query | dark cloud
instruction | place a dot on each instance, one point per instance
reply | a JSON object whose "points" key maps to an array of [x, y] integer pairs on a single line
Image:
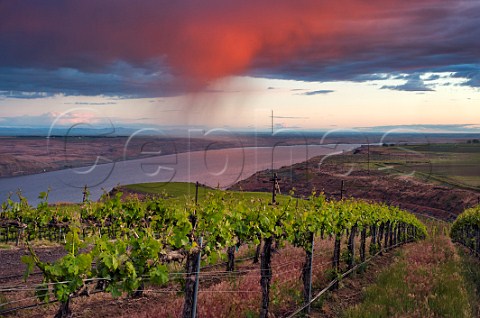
{"points": [[433, 77], [469, 72], [319, 92], [297, 89], [162, 48], [117, 79], [24, 95], [415, 40], [413, 84]]}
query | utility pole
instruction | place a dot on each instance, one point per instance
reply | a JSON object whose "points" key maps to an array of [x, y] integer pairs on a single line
{"points": [[368, 156], [272, 122]]}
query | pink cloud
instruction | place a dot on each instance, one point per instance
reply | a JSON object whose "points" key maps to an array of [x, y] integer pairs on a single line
{"points": [[201, 41]]}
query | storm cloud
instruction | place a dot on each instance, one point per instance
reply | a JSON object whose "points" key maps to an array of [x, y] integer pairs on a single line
{"points": [[162, 48]]}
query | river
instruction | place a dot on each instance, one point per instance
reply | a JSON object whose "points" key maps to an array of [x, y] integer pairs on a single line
{"points": [[216, 168]]}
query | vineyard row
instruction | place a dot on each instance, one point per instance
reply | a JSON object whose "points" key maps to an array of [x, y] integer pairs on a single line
{"points": [[146, 237], [466, 229]]}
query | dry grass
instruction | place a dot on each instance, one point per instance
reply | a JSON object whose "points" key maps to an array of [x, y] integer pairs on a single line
{"points": [[239, 295], [426, 281]]}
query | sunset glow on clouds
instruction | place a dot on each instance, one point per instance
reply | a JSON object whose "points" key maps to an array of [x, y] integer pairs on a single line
{"points": [[56, 53]]}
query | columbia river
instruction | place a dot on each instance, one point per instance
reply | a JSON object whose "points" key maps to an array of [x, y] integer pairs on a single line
{"points": [[216, 168]]}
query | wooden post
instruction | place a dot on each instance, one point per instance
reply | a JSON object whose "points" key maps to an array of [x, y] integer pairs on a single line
{"points": [[380, 236], [391, 230], [387, 234], [342, 189], [363, 239], [196, 193], [275, 187], [192, 267], [478, 240], [85, 192], [351, 247], [231, 259], [373, 241], [307, 276], [266, 275], [336, 256], [395, 234], [197, 277]]}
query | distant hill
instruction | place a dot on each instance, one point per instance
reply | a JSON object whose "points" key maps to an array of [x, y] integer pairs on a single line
{"points": [[45, 131]]}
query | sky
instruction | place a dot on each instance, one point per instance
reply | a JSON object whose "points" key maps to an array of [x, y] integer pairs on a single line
{"points": [[316, 64]]}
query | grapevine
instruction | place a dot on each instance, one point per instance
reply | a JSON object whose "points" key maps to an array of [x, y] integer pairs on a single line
{"points": [[466, 229], [123, 244]]}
